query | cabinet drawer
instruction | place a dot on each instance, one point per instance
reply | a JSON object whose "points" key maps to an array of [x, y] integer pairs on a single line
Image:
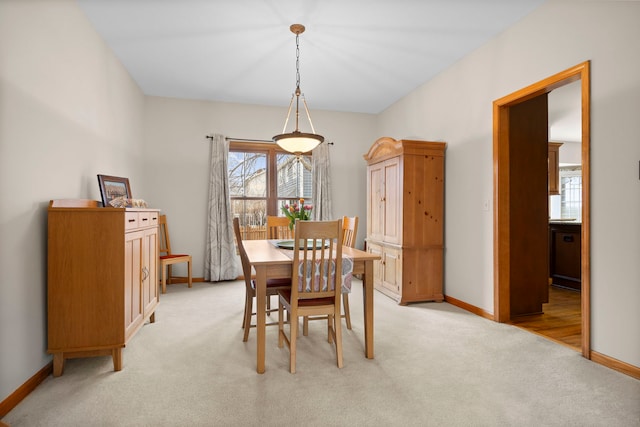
{"points": [[134, 220], [145, 219], [131, 220], [153, 218]]}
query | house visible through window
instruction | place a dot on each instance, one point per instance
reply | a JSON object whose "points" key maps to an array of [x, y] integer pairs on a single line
{"points": [[262, 179]]}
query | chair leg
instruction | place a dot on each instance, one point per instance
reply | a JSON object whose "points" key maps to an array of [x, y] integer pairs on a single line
{"points": [[248, 308], [293, 335], [305, 326], [337, 329], [329, 328], [268, 303], [189, 275], [164, 280], [347, 313], [280, 324], [244, 314], [170, 274]]}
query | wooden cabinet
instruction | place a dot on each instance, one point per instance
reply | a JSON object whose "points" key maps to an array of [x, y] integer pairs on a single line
{"points": [[102, 278], [405, 218], [565, 246], [554, 167], [387, 273]]}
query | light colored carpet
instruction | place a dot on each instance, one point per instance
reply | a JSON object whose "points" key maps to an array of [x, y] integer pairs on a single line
{"points": [[435, 365]]}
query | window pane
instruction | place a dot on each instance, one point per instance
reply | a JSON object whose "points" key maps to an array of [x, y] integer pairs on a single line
{"points": [[253, 217], [256, 190], [294, 176], [247, 174], [571, 193]]}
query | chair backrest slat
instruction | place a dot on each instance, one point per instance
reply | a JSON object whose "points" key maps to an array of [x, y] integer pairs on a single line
{"points": [[278, 227], [316, 263], [164, 243], [350, 227]]}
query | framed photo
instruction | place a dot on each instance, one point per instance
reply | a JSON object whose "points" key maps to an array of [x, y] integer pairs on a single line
{"points": [[112, 187]]}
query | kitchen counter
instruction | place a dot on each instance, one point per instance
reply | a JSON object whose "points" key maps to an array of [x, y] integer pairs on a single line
{"points": [[564, 221]]}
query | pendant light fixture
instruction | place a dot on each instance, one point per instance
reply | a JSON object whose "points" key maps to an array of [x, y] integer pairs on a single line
{"points": [[298, 142]]}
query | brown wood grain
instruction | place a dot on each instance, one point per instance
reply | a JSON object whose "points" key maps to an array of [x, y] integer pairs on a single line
{"points": [[102, 282], [405, 217], [501, 191], [560, 321]]}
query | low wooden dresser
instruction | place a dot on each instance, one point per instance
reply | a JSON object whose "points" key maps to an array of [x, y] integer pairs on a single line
{"points": [[102, 278]]}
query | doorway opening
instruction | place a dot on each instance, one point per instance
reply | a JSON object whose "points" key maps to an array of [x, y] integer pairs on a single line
{"points": [[521, 208]]}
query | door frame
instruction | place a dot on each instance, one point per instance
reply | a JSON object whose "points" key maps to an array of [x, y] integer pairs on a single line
{"points": [[502, 207]]}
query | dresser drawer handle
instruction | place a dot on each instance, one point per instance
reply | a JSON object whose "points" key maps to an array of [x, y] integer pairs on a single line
{"points": [[567, 238], [131, 220], [145, 219]]}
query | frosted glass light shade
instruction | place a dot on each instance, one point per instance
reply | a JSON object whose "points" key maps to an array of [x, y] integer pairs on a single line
{"points": [[298, 142]]}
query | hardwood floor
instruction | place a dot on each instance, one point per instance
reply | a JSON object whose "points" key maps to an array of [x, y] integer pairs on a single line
{"points": [[560, 320]]}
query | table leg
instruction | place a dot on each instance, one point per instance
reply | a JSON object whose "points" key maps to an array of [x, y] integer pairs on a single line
{"points": [[261, 295], [367, 294]]}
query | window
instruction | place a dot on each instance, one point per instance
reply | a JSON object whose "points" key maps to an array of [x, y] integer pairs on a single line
{"points": [[571, 192], [262, 178]]}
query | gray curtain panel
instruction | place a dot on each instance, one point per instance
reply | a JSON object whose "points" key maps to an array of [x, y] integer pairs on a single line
{"points": [[221, 262], [321, 181]]}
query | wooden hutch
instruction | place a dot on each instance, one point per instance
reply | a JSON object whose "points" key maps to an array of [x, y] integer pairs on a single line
{"points": [[405, 218]]}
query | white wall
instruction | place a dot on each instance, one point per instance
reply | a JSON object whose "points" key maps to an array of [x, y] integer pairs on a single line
{"points": [[456, 107], [177, 160], [68, 111], [565, 122]]}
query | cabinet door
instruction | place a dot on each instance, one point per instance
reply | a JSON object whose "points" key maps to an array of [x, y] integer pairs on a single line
{"points": [[387, 272], [134, 242], [392, 200], [384, 221], [554, 167], [375, 208], [565, 256], [149, 271], [392, 270]]}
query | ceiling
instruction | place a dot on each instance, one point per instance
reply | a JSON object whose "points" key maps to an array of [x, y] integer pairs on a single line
{"points": [[355, 55]]}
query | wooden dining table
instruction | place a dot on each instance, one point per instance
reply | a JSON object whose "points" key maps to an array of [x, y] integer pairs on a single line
{"points": [[269, 261]]}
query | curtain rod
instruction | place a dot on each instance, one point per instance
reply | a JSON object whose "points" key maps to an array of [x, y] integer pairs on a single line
{"points": [[228, 138]]}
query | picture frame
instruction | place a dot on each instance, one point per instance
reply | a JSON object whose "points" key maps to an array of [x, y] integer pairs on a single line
{"points": [[112, 187]]}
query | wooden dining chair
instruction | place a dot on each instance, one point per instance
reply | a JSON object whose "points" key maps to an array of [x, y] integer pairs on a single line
{"points": [[314, 289], [349, 230], [168, 258], [273, 285], [278, 227]]}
